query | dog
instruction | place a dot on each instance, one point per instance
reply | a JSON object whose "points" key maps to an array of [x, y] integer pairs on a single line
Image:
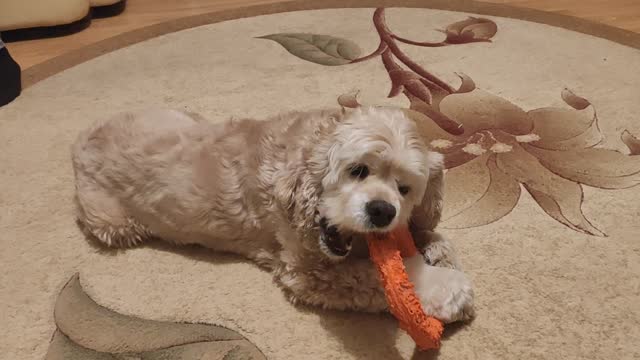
{"points": [[296, 193]]}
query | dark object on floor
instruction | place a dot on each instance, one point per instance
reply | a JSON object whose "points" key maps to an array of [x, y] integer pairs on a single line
{"points": [[99, 12], [44, 32], [10, 83]]}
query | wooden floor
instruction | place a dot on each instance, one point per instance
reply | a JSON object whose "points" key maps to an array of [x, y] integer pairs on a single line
{"points": [[623, 14]]}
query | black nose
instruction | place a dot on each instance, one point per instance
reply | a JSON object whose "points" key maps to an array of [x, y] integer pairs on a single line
{"points": [[381, 213]]}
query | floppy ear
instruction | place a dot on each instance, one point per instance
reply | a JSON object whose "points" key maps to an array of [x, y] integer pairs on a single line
{"points": [[299, 186], [297, 192], [426, 216]]}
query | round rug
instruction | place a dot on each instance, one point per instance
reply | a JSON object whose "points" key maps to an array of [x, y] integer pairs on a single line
{"points": [[538, 124]]}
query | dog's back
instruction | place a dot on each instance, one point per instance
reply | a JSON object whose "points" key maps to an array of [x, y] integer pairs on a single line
{"points": [[171, 175]]}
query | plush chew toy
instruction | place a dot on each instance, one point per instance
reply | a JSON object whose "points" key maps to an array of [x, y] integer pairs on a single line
{"points": [[386, 252]]}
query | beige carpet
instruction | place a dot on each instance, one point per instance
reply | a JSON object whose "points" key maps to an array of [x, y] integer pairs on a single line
{"points": [[542, 197]]}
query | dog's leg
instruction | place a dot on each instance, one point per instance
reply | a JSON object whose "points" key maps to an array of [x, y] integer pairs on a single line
{"points": [[438, 251], [103, 218], [446, 294], [444, 289], [349, 285]]}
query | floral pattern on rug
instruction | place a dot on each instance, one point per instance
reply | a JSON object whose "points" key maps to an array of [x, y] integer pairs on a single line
{"points": [[491, 145], [87, 331]]}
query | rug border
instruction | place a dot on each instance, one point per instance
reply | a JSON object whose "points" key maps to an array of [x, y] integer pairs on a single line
{"points": [[39, 72]]}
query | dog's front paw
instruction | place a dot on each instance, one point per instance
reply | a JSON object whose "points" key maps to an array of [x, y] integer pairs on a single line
{"points": [[445, 294], [439, 252]]}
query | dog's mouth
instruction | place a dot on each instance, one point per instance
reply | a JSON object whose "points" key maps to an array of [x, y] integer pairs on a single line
{"points": [[332, 242]]}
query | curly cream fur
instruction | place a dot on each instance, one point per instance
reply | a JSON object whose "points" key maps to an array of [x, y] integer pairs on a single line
{"points": [[257, 188]]}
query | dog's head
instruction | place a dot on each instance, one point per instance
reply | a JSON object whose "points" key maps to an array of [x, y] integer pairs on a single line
{"points": [[378, 168]]}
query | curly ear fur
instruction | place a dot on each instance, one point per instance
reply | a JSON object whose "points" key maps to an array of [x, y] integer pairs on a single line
{"points": [[298, 191], [299, 185], [426, 216]]}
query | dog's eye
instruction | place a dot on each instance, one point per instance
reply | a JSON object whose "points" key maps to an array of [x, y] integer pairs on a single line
{"points": [[359, 171], [404, 190]]}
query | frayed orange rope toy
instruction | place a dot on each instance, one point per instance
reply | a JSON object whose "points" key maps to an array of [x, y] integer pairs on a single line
{"points": [[386, 252]]}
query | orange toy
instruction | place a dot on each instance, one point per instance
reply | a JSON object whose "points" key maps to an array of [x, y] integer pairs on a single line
{"points": [[386, 252]]}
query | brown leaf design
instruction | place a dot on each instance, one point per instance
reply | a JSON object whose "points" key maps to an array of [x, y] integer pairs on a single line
{"points": [[478, 193], [558, 197], [431, 123], [632, 142], [420, 90], [320, 49], [455, 156], [62, 348], [466, 85], [573, 100], [471, 30], [554, 208], [87, 330], [464, 185], [437, 94], [561, 129], [601, 168], [349, 100], [478, 110], [434, 116], [401, 79]]}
